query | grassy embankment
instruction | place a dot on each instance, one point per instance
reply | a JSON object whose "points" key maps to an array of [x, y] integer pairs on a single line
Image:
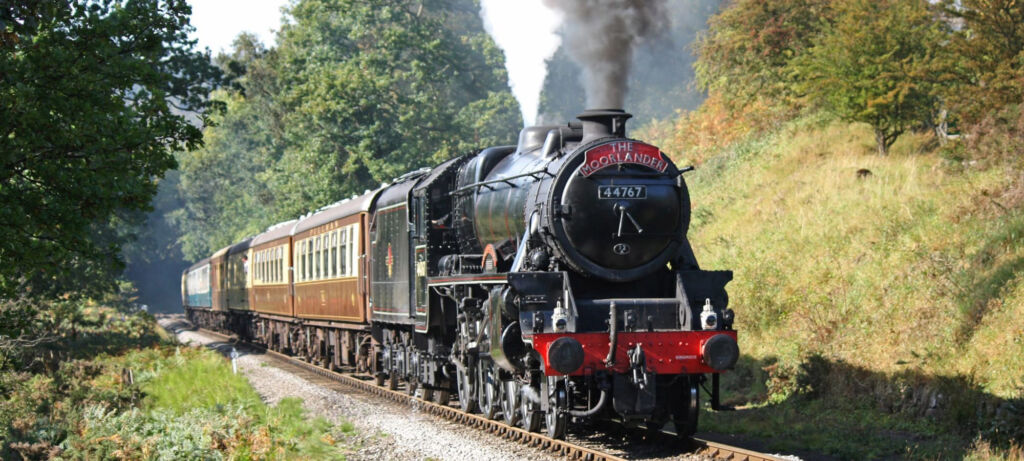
{"points": [[176, 402], [881, 314]]}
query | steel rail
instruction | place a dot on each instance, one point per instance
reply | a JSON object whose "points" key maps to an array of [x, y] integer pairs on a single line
{"points": [[722, 451], [556, 447]]}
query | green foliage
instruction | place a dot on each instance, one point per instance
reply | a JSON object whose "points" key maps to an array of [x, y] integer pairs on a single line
{"points": [[37, 335], [746, 52], [989, 57], [375, 91], [354, 93], [89, 116], [879, 64], [196, 381], [194, 407], [126, 395], [889, 305], [895, 65]]}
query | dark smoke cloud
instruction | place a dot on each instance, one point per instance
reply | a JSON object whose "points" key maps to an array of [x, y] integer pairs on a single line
{"points": [[600, 36]]}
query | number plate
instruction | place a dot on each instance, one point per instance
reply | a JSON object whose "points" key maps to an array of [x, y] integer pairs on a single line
{"points": [[621, 192]]}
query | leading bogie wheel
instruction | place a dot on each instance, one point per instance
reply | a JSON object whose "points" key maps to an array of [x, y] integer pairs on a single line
{"points": [[686, 409], [556, 419]]}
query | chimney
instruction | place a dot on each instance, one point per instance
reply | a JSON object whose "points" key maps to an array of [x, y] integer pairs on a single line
{"points": [[602, 123]]}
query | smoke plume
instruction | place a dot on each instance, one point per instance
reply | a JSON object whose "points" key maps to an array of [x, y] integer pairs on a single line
{"points": [[525, 52], [600, 36]]}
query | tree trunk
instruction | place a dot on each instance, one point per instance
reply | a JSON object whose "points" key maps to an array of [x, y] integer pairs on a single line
{"points": [[881, 142], [942, 127]]}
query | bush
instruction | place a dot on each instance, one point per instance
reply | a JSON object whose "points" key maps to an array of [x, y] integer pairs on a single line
{"points": [[135, 398]]}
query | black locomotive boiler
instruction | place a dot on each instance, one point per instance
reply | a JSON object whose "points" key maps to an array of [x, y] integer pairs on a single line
{"points": [[542, 283], [551, 280]]}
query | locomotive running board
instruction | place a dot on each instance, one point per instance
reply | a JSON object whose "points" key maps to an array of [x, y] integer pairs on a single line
{"points": [[474, 279]]}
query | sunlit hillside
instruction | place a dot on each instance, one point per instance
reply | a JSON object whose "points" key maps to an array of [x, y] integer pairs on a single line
{"points": [[890, 281]]}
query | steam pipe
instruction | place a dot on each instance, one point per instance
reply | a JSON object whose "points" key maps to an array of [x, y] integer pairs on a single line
{"points": [[601, 402], [613, 335]]}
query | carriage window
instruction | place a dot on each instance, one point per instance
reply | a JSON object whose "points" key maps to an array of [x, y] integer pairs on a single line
{"points": [[317, 259], [296, 262], [353, 244], [300, 261], [280, 264], [334, 254], [324, 272], [344, 252], [308, 258]]}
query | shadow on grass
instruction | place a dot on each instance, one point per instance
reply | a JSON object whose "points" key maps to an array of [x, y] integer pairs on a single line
{"points": [[85, 344], [825, 409], [987, 275]]}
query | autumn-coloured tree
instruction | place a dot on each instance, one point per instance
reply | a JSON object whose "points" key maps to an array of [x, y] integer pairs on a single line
{"points": [[879, 64], [745, 54], [988, 56]]}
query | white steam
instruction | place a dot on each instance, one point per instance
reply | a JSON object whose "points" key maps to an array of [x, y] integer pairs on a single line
{"points": [[527, 31]]}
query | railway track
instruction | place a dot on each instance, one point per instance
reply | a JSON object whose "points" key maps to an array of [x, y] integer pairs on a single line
{"points": [[563, 448]]}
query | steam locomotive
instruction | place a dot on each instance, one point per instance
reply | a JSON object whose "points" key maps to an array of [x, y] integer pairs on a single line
{"points": [[542, 283]]}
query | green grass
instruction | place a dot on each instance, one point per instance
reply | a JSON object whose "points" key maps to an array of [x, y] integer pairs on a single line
{"points": [[192, 406], [197, 381], [183, 403], [892, 302]]}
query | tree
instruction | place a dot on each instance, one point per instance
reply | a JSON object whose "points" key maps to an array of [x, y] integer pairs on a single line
{"points": [[91, 108], [377, 88], [877, 64], [353, 94], [745, 54], [988, 57]]}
